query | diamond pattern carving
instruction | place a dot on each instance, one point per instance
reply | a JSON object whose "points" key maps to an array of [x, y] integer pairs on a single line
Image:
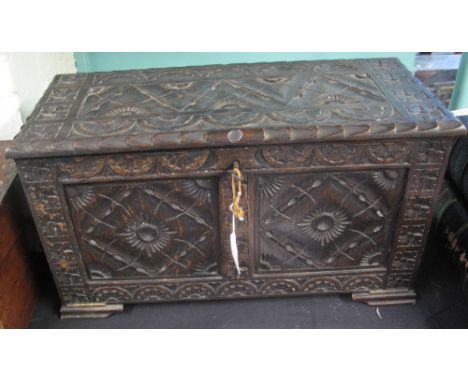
{"points": [[152, 229], [330, 220], [326, 95]]}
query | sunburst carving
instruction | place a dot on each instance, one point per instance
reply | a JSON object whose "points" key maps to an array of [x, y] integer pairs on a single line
{"points": [[149, 238], [371, 258], [231, 103], [275, 80], [336, 99], [80, 197], [386, 179], [176, 85], [198, 188], [325, 226], [269, 186], [125, 111]]}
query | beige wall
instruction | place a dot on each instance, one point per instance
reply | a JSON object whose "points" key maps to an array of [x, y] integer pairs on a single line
{"points": [[23, 79]]}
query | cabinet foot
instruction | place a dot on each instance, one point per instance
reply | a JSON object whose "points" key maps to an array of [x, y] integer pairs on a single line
{"points": [[89, 310], [386, 297]]}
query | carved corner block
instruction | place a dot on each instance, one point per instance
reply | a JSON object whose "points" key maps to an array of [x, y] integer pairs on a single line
{"points": [[386, 297], [90, 310]]}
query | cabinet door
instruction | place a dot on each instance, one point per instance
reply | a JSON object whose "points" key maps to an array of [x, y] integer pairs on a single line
{"points": [[326, 220], [146, 229]]}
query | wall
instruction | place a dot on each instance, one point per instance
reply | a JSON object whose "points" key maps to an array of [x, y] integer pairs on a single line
{"points": [[23, 80], [10, 116], [460, 93], [95, 62]]}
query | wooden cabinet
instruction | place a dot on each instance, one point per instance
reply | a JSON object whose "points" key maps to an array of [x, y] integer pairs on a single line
{"points": [[130, 179], [18, 289]]}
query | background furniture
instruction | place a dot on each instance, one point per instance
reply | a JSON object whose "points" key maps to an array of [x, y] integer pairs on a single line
{"points": [[451, 219], [17, 282]]}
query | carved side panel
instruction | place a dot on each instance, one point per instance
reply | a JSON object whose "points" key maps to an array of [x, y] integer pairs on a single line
{"points": [[326, 220], [429, 162], [46, 202], [154, 229]]}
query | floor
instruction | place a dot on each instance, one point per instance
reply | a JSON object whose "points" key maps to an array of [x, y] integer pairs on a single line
{"points": [[440, 304]]}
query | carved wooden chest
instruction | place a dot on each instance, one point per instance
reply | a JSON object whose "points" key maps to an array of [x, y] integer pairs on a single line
{"points": [[131, 175]]}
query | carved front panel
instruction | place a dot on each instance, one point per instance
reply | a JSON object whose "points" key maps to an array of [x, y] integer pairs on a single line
{"points": [[155, 226], [153, 229], [326, 220]]}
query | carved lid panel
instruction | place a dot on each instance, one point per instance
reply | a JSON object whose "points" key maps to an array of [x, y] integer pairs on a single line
{"points": [[231, 104]]}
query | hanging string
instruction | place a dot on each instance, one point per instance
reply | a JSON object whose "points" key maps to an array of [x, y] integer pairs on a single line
{"points": [[236, 183], [237, 212]]}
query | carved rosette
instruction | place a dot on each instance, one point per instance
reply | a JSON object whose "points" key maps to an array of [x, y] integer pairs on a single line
{"points": [[324, 226]]}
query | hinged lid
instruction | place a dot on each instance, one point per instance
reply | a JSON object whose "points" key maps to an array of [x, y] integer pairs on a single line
{"points": [[231, 105]]}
